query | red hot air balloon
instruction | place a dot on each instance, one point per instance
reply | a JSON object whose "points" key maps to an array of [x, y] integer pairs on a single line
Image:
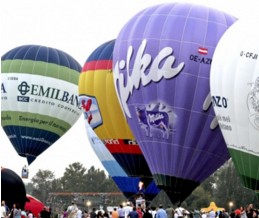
{"points": [[34, 205]]}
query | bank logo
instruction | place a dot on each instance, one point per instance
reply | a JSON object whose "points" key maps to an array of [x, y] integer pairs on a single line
{"points": [[23, 88], [46, 92]]}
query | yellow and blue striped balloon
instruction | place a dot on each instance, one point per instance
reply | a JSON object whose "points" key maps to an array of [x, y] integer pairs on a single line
{"points": [[102, 110]]}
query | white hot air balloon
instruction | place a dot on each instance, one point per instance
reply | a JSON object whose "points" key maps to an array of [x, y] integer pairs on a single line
{"points": [[234, 85]]}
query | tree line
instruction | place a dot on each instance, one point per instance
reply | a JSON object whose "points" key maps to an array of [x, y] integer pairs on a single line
{"points": [[223, 187]]}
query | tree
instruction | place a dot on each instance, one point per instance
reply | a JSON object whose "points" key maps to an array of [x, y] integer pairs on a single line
{"points": [[95, 180], [199, 198], [74, 179], [161, 198], [230, 187], [222, 186], [41, 184], [110, 185]]}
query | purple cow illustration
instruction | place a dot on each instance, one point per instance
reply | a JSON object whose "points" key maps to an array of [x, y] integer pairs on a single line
{"points": [[154, 120]]}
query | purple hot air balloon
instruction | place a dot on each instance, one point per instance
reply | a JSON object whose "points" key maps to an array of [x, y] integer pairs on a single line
{"points": [[161, 61]]}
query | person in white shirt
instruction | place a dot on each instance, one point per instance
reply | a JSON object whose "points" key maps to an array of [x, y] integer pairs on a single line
{"points": [[203, 214], [212, 214], [3, 210], [153, 211], [72, 210], [179, 212], [30, 215], [175, 214], [127, 209], [79, 213], [121, 212]]}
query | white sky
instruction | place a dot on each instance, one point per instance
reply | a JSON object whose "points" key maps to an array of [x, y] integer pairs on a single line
{"points": [[77, 27]]}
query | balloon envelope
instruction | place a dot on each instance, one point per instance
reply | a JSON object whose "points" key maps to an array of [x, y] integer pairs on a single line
{"points": [[39, 97], [103, 112], [162, 59], [12, 188], [34, 205], [129, 186], [235, 93]]}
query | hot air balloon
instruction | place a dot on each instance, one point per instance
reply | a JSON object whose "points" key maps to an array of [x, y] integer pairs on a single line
{"points": [[129, 186], [12, 188], [39, 97], [102, 110], [235, 94], [34, 205], [161, 64]]}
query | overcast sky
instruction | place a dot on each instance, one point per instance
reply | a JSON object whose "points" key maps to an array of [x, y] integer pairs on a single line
{"points": [[77, 27]]}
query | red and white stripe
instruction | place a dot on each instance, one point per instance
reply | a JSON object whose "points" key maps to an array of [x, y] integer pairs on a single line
{"points": [[202, 50]]}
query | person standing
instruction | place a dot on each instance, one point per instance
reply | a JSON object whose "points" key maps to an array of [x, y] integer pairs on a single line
{"points": [[139, 211], [121, 212], [161, 212], [115, 213], [153, 211], [242, 212], [212, 214], [196, 213], [220, 214], [49, 212], [133, 213], [64, 214], [232, 214], [17, 212], [23, 214], [99, 214], [30, 215], [93, 213], [251, 212], [79, 213], [106, 214], [179, 212], [147, 214], [44, 213], [3, 210], [203, 214], [176, 214], [72, 210], [169, 211], [225, 214], [127, 209]]}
